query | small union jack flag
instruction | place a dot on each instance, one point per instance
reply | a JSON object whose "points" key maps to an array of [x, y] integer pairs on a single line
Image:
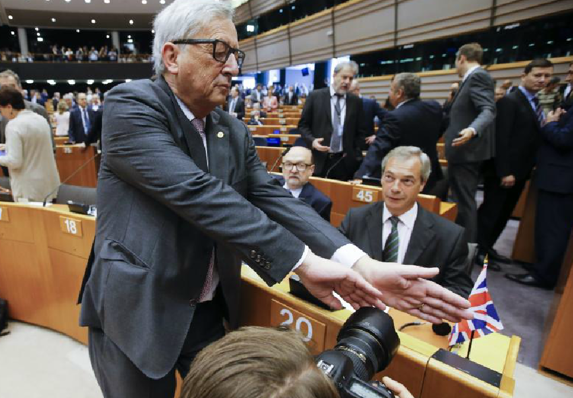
{"points": [[486, 320]]}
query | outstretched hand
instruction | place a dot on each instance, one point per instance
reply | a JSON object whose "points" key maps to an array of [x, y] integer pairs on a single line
{"points": [[323, 277], [404, 287]]}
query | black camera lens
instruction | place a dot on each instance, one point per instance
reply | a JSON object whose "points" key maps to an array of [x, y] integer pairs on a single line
{"points": [[369, 340]]}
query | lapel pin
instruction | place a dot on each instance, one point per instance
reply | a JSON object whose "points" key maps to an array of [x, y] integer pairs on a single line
{"points": [[220, 134]]}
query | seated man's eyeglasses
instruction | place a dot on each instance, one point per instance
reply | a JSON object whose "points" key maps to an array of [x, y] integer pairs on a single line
{"points": [[299, 166], [221, 50]]}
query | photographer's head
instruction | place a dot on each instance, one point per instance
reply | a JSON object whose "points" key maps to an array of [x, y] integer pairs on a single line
{"points": [[258, 363]]}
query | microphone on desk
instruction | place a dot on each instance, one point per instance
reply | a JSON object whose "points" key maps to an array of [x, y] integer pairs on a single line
{"points": [[69, 178], [334, 165], [279, 158]]}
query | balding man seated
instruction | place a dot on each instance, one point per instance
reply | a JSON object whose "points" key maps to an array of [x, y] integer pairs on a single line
{"points": [[399, 230], [298, 166]]}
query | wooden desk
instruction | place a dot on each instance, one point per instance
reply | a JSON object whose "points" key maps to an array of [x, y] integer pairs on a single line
{"points": [[60, 140], [280, 121], [558, 352], [70, 158], [412, 366], [270, 129]]}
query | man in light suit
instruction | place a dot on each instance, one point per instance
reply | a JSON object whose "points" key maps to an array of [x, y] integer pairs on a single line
{"points": [[81, 120], [298, 166], [235, 104], [470, 136], [183, 198], [257, 94], [422, 238], [331, 123], [518, 121], [413, 122], [10, 78]]}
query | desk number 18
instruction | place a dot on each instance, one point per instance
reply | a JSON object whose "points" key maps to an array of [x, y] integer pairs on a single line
{"points": [[71, 226]]}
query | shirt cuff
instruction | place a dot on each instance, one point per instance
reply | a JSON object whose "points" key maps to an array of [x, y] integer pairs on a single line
{"points": [[474, 130], [347, 255], [304, 253]]}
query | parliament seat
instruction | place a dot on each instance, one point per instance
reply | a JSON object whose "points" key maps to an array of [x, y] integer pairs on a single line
{"points": [[76, 194]]}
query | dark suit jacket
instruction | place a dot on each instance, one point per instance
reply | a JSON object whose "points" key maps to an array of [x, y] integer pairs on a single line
{"points": [[161, 213], [314, 198], [293, 100], [416, 123], [435, 242], [372, 109], [473, 106], [555, 156], [94, 134], [517, 136], [239, 107], [76, 130], [316, 122]]}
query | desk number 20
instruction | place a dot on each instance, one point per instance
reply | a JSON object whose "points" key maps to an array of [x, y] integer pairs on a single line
{"points": [[297, 324], [71, 226]]}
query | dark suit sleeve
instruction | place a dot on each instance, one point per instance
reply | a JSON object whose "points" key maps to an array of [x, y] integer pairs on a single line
{"points": [[386, 139], [560, 134], [503, 129], [482, 96], [305, 122], [379, 111], [240, 109], [453, 275], [72, 127], [95, 129], [325, 211]]}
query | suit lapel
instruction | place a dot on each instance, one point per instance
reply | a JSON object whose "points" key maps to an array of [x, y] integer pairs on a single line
{"points": [[374, 227], [328, 126], [193, 142], [525, 103], [217, 146], [422, 235]]}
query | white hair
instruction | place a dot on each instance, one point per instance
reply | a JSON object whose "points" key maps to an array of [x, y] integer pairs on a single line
{"points": [[183, 19], [406, 153]]}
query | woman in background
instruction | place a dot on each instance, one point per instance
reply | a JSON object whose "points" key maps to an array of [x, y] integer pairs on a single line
{"points": [[270, 102], [62, 118], [29, 156]]}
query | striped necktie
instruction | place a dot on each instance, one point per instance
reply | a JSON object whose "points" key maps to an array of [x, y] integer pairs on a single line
{"points": [[390, 253], [538, 111]]}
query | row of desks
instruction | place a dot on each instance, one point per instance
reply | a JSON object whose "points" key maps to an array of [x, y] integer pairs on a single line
{"points": [[44, 252]]}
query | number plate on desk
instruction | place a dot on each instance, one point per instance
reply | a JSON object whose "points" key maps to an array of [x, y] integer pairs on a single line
{"points": [[71, 226], [283, 129], [68, 150], [364, 195], [4, 215], [282, 121], [313, 332]]}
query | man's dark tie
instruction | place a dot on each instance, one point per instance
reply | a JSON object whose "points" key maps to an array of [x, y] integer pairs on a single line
{"points": [[390, 253], [538, 111], [336, 140]]}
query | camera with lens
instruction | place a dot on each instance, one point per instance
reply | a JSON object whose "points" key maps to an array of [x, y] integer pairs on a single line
{"points": [[365, 345]]}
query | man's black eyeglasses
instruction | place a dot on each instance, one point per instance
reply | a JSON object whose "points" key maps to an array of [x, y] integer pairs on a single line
{"points": [[221, 50]]}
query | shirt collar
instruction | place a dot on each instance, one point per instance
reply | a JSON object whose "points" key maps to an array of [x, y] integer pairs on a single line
{"points": [[332, 93], [403, 102], [294, 192], [469, 72], [187, 112], [408, 218], [529, 95]]}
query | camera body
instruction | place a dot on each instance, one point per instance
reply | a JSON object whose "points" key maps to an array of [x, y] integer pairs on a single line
{"points": [[365, 345]]}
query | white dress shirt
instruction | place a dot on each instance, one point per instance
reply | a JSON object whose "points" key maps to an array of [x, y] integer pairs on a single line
{"points": [[405, 227]]}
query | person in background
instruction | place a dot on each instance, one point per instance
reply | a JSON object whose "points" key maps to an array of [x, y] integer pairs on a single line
{"points": [[297, 168], [256, 94], [235, 104], [81, 120], [550, 97], [255, 119], [55, 100], [290, 97], [270, 102], [567, 90], [29, 156], [62, 118], [372, 113], [499, 93]]}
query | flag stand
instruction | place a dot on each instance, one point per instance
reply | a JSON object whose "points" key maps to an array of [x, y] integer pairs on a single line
{"points": [[470, 347]]}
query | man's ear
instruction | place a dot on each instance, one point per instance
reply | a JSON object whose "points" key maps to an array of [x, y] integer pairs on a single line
{"points": [[170, 55], [311, 168]]}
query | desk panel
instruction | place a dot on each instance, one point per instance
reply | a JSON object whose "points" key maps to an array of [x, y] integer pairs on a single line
{"points": [[70, 158]]}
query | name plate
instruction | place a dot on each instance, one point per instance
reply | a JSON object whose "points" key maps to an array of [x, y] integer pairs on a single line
{"points": [[253, 128], [313, 331], [283, 129], [71, 226], [4, 215], [364, 195], [284, 139], [282, 121], [68, 150]]}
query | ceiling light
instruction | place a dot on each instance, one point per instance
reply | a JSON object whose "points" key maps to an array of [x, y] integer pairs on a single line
{"points": [[13, 33], [53, 19], [130, 40], [129, 36], [52, 82], [90, 82], [93, 21], [106, 1], [30, 81], [88, 1], [152, 30], [107, 36], [143, 1], [127, 80], [40, 39], [10, 17], [161, 1], [37, 29], [131, 21], [71, 82], [67, 1], [77, 30], [38, 34]]}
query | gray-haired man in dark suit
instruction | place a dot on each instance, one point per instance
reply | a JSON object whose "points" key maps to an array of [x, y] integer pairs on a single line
{"points": [[183, 198], [470, 138]]}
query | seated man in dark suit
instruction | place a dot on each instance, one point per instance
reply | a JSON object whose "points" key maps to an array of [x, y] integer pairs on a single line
{"points": [[408, 233], [298, 166], [412, 122]]}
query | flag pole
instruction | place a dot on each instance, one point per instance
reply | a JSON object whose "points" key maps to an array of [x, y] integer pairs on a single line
{"points": [[470, 347]]}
